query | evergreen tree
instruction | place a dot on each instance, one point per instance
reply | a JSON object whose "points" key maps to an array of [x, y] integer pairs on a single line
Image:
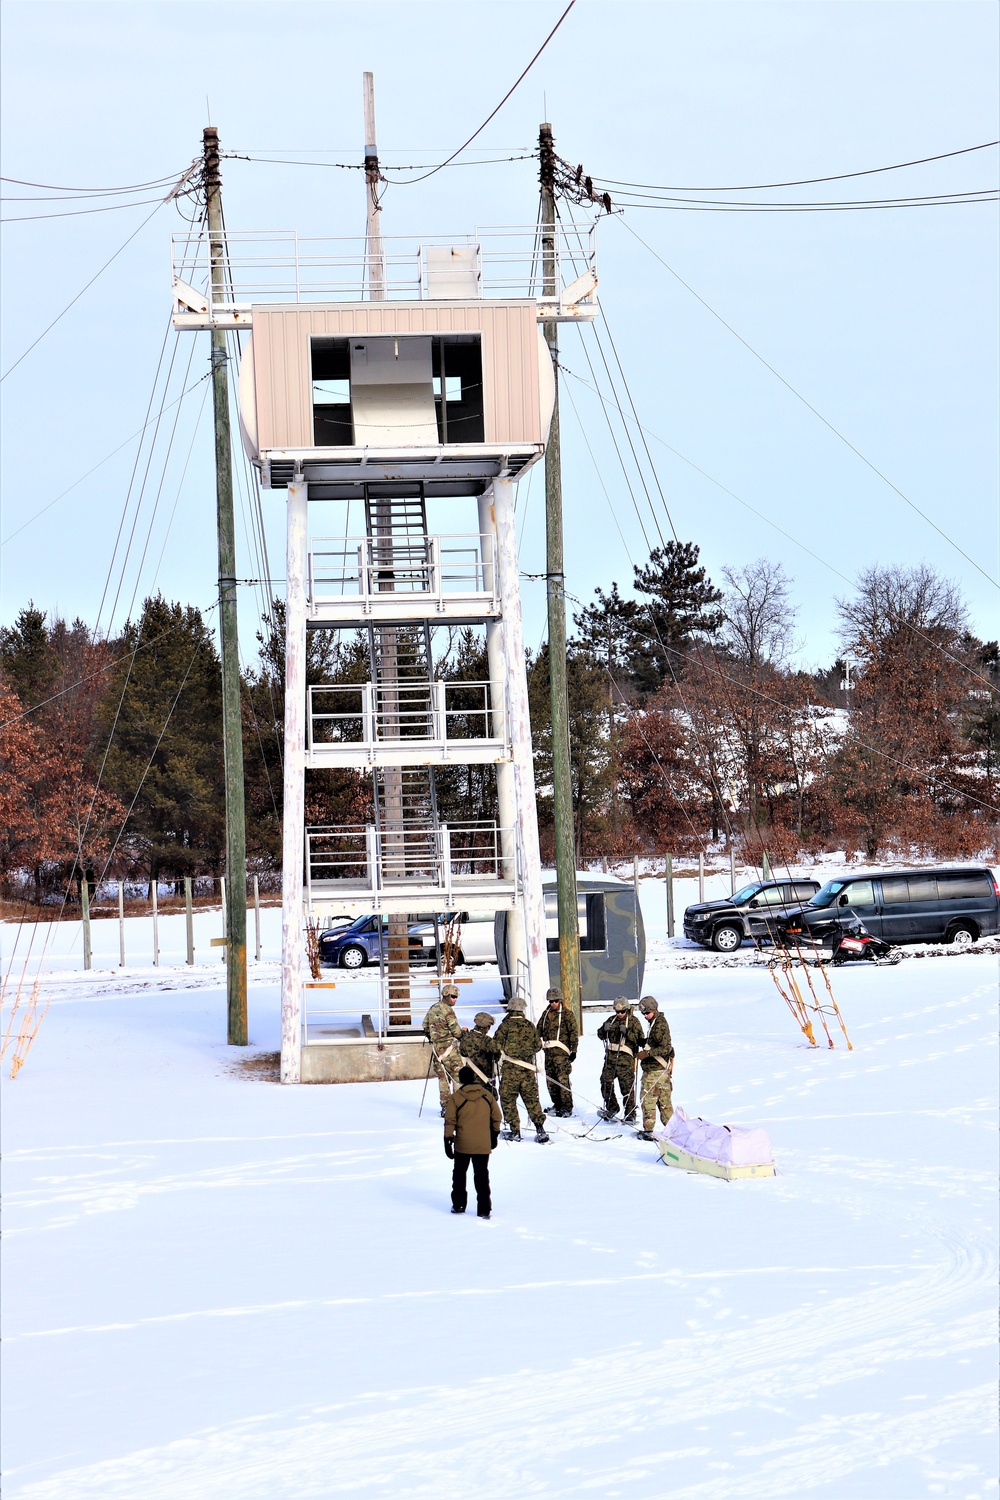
{"points": [[679, 608], [163, 715], [26, 657]]}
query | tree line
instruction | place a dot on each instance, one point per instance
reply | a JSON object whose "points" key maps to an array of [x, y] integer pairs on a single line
{"points": [[690, 727]]}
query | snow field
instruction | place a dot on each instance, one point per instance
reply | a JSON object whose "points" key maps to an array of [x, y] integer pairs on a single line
{"points": [[221, 1288]]}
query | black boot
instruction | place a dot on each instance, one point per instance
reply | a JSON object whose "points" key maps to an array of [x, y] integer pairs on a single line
{"points": [[606, 1113], [540, 1135], [645, 1135], [511, 1135]]}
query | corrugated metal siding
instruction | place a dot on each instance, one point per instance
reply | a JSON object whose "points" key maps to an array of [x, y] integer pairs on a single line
{"points": [[284, 378]]}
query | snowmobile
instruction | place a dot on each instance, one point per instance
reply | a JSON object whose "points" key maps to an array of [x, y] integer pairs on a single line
{"points": [[855, 944]]}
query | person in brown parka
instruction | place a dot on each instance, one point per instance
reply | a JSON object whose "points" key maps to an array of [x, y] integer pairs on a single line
{"points": [[472, 1121]]}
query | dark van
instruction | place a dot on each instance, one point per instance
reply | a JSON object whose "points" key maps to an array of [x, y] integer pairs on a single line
{"points": [[904, 906]]}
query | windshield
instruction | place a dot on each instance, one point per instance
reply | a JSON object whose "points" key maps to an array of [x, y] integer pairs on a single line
{"points": [[824, 897], [746, 894]]}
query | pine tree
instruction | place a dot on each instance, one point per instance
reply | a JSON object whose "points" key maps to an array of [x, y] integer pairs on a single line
{"points": [[163, 716], [679, 609]]}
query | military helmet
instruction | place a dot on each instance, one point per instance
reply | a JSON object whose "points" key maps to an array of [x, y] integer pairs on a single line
{"points": [[449, 992], [648, 1003], [621, 1005], [516, 1003], [553, 994], [483, 1018]]}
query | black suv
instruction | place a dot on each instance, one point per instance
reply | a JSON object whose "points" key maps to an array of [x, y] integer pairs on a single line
{"points": [[955, 905], [750, 912]]}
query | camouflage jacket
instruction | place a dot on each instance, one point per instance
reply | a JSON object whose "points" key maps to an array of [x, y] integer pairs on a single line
{"points": [[481, 1049], [441, 1027], [619, 1034], [658, 1042], [518, 1037], [559, 1026]]}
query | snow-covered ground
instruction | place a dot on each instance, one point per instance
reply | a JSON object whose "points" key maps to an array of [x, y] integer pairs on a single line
{"points": [[216, 1287]]}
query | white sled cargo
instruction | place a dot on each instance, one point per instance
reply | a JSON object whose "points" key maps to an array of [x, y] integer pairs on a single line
{"points": [[728, 1151], [673, 1156]]}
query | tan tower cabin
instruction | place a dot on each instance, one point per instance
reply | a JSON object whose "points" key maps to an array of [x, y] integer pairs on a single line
{"points": [[391, 393]]}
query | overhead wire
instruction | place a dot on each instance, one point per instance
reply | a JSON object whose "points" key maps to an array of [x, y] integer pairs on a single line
{"points": [[810, 407], [761, 515], [750, 187], [625, 200], [493, 113], [110, 260]]}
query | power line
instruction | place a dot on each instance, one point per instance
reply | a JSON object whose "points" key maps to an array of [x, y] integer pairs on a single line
{"points": [[74, 213], [694, 205], [751, 187], [100, 464], [132, 187], [789, 536], [448, 160], [356, 166], [83, 289], [808, 404]]}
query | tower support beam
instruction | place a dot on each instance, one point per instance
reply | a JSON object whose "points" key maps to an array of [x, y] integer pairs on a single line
{"points": [[294, 803]]}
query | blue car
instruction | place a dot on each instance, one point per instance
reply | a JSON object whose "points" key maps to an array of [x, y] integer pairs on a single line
{"points": [[359, 944]]}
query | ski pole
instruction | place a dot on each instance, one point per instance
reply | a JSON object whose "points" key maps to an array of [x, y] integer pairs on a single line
{"points": [[423, 1096]]}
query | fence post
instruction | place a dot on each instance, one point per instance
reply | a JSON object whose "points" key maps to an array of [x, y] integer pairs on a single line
{"points": [[85, 913], [121, 923], [225, 934], [189, 919], [701, 877], [156, 926], [670, 895], [256, 914]]}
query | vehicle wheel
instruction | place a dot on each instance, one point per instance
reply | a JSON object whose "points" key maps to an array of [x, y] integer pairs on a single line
{"points": [[962, 935], [727, 939], [353, 957]]}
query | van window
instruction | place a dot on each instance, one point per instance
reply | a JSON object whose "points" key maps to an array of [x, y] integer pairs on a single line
{"points": [[860, 893], [922, 887], [964, 886], [895, 890]]}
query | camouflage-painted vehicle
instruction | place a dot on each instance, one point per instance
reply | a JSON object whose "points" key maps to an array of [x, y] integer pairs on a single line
{"points": [[612, 938]]}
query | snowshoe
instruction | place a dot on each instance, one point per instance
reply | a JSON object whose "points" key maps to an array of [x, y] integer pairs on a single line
{"points": [[511, 1135], [630, 1119], [541, 1137], [607, 1114], [645, 1135]]}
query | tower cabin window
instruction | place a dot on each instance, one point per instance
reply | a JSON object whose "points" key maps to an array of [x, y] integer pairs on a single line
{"points": [[387, 392]]}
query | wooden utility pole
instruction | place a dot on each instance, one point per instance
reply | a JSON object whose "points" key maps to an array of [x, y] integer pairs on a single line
{"points": [[232, 729], [562, 784]]}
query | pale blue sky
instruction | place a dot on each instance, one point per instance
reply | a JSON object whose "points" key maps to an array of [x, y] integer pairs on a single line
{"points": [[886, 321]]}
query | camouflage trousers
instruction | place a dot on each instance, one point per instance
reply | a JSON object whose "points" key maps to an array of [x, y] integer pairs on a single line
{"points": [[656, 1090], [446, 1071], [517, 1083], [618, 1068], [557, 1077]]}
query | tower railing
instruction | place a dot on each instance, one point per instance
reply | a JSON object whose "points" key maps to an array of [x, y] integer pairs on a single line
{"points": [[441, 862], [382, 573], [280, 265], [352, 719]]}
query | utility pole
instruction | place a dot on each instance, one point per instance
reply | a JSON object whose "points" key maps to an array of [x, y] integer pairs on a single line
{"points": [[232, 730], [562, 785], [376, 253]]}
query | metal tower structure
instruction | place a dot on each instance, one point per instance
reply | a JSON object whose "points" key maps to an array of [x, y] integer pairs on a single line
{"points": [[393, 392]]}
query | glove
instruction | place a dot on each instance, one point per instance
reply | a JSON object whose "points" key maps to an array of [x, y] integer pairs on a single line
{"points": [[494, 1139], [572, 1057], [449, 1147]]}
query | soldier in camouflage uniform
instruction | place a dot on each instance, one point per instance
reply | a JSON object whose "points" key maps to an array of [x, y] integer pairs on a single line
{"points": [[519, 1041], [444, 1034], [622, 1037], [657, 1058], [560, 1037], [480, 1050]]}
